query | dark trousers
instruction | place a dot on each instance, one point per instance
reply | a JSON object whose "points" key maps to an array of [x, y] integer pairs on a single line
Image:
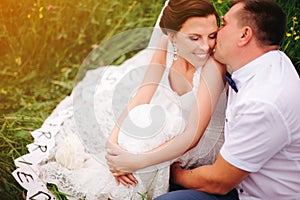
{"points": [[197, 195]]}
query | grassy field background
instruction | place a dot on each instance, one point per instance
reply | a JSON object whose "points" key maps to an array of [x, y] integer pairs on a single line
{"points": [[42, 46]]}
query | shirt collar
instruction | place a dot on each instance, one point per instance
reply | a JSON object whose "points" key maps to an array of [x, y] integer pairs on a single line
{"points": [[249, 70]]}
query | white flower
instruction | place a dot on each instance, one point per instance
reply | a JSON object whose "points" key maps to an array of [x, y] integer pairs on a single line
{"points": [[70, 152]]}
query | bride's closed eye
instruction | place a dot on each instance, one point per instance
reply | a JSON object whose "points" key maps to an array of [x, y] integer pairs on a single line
{"points": [[194, 38], [213, 35], [197, 37]]}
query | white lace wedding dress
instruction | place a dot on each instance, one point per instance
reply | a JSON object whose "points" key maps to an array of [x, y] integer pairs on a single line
{"points": [[68, 150]]}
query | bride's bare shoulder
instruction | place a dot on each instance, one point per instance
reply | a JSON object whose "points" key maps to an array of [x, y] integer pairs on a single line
{"points": [[213, 64]]}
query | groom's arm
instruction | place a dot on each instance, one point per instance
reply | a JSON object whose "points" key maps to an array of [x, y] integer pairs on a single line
{"points": [[219, 178]]}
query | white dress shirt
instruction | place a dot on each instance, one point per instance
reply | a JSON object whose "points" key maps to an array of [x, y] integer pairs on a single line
{"points": [[262, 128]]}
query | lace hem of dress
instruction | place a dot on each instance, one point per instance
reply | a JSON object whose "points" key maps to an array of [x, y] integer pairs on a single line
{"points": [[45, 162]]}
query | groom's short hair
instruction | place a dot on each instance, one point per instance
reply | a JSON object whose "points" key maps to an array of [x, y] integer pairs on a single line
{"points": [[265, 17]]}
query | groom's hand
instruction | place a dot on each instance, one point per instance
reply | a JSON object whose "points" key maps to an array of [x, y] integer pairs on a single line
{"points": [[120, 161], [175, 173]]}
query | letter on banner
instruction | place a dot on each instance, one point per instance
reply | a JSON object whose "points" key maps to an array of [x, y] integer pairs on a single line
{"points": [[26, 176]]}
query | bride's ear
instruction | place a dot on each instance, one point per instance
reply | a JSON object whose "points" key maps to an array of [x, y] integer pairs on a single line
{"points": [[171, 36]]}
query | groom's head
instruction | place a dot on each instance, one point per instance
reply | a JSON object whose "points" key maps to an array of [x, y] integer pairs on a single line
{"points": [[250, 27]]}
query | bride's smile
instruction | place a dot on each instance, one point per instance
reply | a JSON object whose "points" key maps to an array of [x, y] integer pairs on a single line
{"points": [[196, 39]]}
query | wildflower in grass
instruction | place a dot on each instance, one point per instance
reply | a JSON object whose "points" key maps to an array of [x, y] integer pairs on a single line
{"points": [[50, 7], [18, 60], [288, 34], [29, 16], [3, 91], [94, 46], [220, 1], [41, 16], [295, 20], [293, 29]]}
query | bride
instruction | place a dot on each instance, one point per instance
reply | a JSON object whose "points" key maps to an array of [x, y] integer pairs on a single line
{"points": [[176, 114]]}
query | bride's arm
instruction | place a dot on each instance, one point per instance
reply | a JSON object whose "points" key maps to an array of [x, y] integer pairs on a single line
{"points": [[143, 96], [147, 88], [210, 88]]}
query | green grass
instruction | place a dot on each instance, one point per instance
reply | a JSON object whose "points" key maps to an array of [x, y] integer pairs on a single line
{"points": [[43, 44]]}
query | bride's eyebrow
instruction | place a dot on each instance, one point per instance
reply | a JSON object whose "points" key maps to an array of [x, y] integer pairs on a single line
{"points": [[194, 34], [200, 35]]}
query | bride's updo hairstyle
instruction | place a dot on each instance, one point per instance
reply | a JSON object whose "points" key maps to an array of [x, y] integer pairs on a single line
{"points": [[178, 11]]}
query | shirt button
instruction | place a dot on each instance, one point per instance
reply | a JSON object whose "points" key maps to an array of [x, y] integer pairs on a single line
{"points": [[226, 120], [241, 190]]}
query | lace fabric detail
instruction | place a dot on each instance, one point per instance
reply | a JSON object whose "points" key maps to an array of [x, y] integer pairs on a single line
{"points": [[196, 79], [207, 149]]}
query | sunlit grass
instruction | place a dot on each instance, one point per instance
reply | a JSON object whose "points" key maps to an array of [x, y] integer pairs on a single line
{"points": [[42, 46], [291, 44]]}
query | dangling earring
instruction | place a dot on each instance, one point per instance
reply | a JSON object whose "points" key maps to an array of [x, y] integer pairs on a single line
{"points": [[175, 51]]}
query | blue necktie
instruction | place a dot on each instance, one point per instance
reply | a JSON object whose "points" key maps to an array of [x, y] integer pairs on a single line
{"points": [[230, 81]]}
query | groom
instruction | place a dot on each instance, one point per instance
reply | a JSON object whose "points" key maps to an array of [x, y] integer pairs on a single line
{"points": [[261, 153]]}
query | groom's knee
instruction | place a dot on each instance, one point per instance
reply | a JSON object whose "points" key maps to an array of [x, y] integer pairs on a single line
{"points": [[179, 195]]}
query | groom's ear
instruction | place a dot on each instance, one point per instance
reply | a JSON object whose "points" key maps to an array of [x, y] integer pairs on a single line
{"points": [[246, 36]]}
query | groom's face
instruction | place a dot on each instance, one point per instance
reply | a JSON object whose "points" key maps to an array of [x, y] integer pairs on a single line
{"points": [[228, 36]]}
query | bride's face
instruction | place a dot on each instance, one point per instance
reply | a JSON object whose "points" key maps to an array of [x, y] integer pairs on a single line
{"points": [[196, 39]]}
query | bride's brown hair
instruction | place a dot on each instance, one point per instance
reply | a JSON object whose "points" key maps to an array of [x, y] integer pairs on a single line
{"points": [[178, 11]]}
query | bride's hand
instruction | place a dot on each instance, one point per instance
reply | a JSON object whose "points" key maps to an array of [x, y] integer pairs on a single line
{"points": [[126, 180], [120, 161]]}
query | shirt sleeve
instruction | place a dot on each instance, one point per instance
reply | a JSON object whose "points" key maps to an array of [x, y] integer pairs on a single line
{"points": [[254, 133]]}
